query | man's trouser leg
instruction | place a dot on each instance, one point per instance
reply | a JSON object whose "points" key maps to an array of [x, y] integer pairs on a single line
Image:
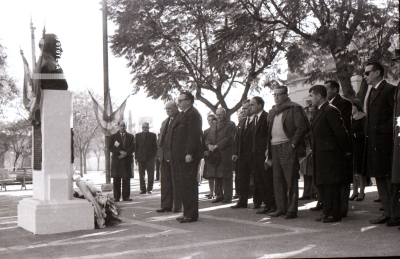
{"points": [[150, 174], [264, 179], [142, 171], [227, 186], [126, 188], [219, 193], [307, 185], [167, 192], [187, 175], [395, 201], [383, 185], [117, 188], [243, 181], [158, 166], [345, 194]]}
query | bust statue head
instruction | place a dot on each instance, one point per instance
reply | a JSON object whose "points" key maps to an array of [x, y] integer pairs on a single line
{"points": [[51, 45]]}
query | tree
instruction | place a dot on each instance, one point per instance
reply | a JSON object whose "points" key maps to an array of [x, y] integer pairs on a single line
{"points": [[85, 126], [98, 146], [19, 136], [8, 89], [327, 28], [207, 47]]}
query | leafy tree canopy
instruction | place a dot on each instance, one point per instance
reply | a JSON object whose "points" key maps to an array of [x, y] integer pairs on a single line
{"points": [[350, 32], [8, 89], [201, 46]]}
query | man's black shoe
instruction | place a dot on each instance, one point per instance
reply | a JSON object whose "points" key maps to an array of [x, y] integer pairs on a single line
{"points": [[149, 192], [322, 217], [226, 201], [331, 219], [127, 199], [344, 215], [143, 192], [179, 218], [163, 210], [317, 208], [217, 200], [256, 206], [381, 220], [264, 211], [290, 215], [276, 214], [237, 206], [187, 220], [235, 196], [381, 209], [176, 210], [378, 199], [393, 222]]}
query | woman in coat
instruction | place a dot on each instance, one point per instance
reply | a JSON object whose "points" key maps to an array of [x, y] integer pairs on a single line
{"points": [[220, 144], [210, 119], [358, 139]]}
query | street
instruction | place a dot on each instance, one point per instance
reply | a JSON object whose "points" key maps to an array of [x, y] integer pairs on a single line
{"points": [[221, 232]]}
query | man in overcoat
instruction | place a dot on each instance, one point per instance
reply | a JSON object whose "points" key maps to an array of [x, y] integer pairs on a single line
{"points": [[242, 153], [145, 154], [184, 138], [330, 145], [122, 146], [263, 176], [396, 153], [378, 128], [287, 127], [345, 107], [220, 144], [171, 198]]}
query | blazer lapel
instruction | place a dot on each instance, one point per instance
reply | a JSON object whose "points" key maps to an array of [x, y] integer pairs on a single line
{"points": [[263, 114], [319, 113], [222, 124], [180, 116], [377, 90]]}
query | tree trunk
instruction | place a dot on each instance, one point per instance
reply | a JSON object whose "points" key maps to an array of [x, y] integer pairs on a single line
{"points": [[98, 161], [16, 160], [80, 162], [84, 162], [344, 75]]}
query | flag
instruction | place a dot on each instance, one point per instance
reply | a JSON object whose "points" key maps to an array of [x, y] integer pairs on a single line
{"points": [[28, 97], [105, 117]]}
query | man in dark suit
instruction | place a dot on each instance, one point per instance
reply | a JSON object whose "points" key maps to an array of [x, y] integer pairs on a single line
{"points": [[184, 139], [158, 163], [263, 177], [330, 145], [171, 199], [287, 127], [242, 153], [146, 151], [122, 146], [345, 108], [379, 135]]}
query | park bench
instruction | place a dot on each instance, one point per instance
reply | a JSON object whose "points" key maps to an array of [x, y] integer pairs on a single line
{"points": [[19, 176]]}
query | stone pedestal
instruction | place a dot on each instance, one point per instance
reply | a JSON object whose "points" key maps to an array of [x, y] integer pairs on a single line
{"points": [[52, 208]]}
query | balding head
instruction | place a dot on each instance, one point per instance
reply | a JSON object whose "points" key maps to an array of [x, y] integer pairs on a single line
{"points": [[221, 114], [172, 109], [145, 127]]}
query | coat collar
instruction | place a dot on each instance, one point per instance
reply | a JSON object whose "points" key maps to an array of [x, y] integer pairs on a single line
{"points": [[222, 124], [378, 89], [319, 112], [262, 117]]}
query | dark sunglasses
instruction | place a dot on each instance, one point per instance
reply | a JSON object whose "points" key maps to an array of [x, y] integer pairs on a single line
{"points": [[368, 72]]}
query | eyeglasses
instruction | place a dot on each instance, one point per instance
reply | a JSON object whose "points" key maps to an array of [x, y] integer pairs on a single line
{"points": [[368, 72], [279, 94], [180, 100]]}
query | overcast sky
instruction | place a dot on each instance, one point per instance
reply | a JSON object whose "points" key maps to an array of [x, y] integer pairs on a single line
{"points": [[78, 25]]}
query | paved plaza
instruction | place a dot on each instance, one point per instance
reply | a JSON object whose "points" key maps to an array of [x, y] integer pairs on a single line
{"points": [[221, 232]]}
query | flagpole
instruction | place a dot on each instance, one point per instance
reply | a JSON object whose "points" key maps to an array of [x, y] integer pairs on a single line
{"points": [[33, 47], [106, 90]]}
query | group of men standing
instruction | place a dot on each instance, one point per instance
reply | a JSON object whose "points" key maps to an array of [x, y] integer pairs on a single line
{"points": [[267, 146]]}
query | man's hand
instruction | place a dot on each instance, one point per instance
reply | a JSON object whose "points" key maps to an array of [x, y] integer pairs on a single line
{"points": [[267, 163], [206, 153], [123, 153], [266, 153], [234, 158], [210, 147], [188, 158]]}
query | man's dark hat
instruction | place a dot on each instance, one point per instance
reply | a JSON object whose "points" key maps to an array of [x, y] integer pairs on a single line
{"points": [[396, 54]]}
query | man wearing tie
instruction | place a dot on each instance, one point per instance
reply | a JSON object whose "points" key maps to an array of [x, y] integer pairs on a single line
{"points": [[242, 152], [184, 139], [171, 199], [263, 177], [122, 146], [146, 152], [379, 135]]}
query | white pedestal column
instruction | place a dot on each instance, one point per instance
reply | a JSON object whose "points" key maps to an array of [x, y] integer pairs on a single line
{"points": [[52, 208]]}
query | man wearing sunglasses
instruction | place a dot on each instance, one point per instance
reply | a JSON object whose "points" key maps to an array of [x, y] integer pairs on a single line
{"points": [[379, 135]]}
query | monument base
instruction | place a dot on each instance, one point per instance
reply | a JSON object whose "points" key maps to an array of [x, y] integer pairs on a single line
{"points": [[50, 217]]}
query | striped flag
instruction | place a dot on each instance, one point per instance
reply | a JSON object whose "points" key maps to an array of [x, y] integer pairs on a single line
{"points": [[105, 117], [28, 96]]}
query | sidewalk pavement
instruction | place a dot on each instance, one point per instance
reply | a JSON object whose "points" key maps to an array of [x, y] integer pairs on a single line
{"points": [[221, 232]]}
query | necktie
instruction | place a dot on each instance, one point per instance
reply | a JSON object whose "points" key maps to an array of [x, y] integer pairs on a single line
{"points": [[247, 123], [123, 139], [255, 120]]}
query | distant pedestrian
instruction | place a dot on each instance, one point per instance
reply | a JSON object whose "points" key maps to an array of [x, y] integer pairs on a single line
{"points": [[145, 154]]}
